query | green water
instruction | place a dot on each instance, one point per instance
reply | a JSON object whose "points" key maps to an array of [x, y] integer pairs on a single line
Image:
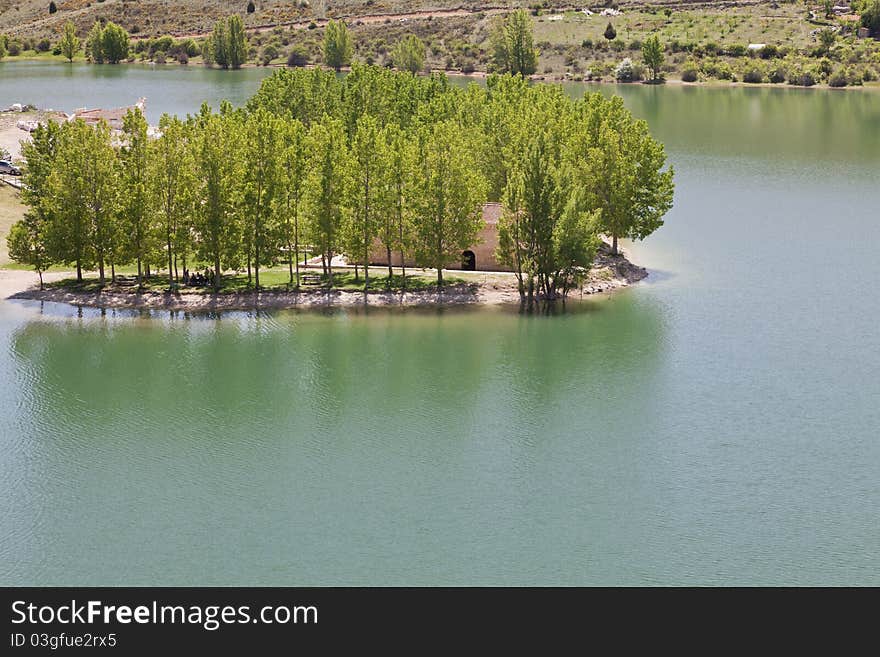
{"points": [[717, 424]]}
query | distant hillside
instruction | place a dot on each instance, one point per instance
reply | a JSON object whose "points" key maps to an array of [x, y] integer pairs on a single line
{"points": [[31, 18], [176, 17]]}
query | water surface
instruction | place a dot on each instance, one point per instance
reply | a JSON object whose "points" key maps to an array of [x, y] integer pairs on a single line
{"points": [[717, 424]]}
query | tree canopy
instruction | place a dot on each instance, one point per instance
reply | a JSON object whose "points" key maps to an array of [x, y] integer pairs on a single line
{"points": [[338, 48], [513, 45], [328, 165]]}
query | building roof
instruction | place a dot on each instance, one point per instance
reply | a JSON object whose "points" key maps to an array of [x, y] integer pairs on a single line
{"points": [[491, 213]]}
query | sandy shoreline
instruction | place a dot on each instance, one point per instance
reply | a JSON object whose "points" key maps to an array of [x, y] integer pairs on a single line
{"points": [[608, 274]]}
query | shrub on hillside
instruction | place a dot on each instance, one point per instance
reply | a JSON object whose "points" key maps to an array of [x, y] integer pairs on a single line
{"points": [[777, 74], [297, 57], [753, 75], [689, 74]]}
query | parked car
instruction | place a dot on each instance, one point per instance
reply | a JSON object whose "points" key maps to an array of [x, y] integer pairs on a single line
{"points": [[10, 168]]}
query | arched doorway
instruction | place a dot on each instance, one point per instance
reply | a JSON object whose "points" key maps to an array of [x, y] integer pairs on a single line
{"points": [[468, 261]]}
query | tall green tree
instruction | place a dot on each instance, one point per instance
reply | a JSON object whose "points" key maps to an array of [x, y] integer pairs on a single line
{"points": [[69, 43], [237, 42], [394, 200], [95, 43], [218, 44], [367, 152], [548, 232], [409, 54], [114, 43], [622, 167], [83, 197], [172, 179], [513, 45], [338, 48], [29, 240], [135, 200], [450, 193], [327, 188], [652, 55], [295, 174], [263, 186], [217, 172]]}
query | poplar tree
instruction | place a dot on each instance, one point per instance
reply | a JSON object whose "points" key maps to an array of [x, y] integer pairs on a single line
{"points": [[450, 194], [513, 45], [367, 152], [327, 188], [172, 180], [33, 239], [262, 185], [135, 200], [237, 42], [215, 194], [114, 43], [83, 197], [394, 198], [621, 166], [69, 43], [337, 45], [652, 55], [95, 43], [295, 173]]}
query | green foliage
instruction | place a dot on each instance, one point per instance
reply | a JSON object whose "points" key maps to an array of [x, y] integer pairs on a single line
{"points": [[69, 41], [337, 45], [227, 45], [652, 55], [871, 18], [94, 43], [513, 45], [449, 195], [114, 43], [335, 166], [409, 54]]}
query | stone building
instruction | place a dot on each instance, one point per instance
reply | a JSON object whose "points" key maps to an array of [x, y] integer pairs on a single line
{"points": [[479, 257]]}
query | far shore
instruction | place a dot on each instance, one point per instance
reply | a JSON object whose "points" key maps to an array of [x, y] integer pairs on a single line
{"points": [[609, 274]]}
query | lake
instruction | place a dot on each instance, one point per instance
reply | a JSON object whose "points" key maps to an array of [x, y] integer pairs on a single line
{"points": [[717, 424]]}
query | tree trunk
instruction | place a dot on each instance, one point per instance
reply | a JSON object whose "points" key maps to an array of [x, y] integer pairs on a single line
{"points": [[250, 275], [216, 272], [440, 279], [40, 274], [614, 245], [257, 265], [79, 271], [112, 272], [140, 273], [171, 261], [296, 247], [101, 269], [390, 270], [290, 261]]}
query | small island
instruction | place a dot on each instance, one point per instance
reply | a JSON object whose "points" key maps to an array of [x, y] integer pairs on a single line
{"points": [[324, 185]]}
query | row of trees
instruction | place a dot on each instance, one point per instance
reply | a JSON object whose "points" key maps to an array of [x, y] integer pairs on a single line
{"points": [[342, 166]]}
